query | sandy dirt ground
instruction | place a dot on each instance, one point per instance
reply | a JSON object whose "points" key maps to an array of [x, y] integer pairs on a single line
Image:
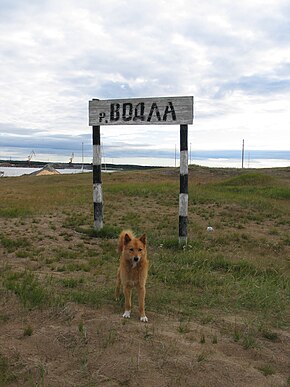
{"points": [[78, 345]]}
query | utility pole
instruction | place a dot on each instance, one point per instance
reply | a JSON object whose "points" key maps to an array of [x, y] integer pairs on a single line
{"points": [[175, 157], [243, 153], [82, 156]]}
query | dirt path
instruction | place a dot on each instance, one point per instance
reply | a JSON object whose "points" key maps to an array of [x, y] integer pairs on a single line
{"points": [[81, 346]]}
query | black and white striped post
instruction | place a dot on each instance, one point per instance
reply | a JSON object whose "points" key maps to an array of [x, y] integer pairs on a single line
{"points": [[183, 193], [97, 179]]}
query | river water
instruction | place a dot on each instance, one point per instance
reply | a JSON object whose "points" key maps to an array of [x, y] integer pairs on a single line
{"points": [[15, 171]]}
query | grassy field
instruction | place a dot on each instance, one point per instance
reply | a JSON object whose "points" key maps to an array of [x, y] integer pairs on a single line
{"points": [[218, 308]]}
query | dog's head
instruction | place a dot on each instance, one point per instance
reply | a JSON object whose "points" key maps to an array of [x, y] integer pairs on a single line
{"points": [[135, 249]]}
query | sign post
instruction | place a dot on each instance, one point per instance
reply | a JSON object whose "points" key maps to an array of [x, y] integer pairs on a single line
{"points": [[142, 111], [97, 179], [183, 193]]}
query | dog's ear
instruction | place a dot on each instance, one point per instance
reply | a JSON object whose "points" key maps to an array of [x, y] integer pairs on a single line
{"points": [[143, 239], [127, 239]]}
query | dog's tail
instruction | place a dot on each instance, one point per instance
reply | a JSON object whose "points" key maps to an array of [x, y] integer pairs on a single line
{"points": [[126, 234]]}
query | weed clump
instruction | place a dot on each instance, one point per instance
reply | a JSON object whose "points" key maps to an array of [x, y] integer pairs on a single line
{"points": [[28, 289]]}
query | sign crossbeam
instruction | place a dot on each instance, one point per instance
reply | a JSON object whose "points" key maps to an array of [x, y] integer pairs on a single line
{"points": [[141, 111]]}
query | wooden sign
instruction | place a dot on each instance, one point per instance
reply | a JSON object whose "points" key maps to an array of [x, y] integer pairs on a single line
{"points": [[141, 111]]}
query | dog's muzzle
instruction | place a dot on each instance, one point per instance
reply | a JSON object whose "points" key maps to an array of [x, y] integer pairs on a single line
{"points": [[136, 259]]}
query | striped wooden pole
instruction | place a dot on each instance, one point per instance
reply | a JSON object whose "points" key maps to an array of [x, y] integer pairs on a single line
{"points": [[183, 195], [97, 179]]}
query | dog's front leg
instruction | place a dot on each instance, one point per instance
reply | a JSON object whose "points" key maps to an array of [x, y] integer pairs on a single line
{"points": [[141, 296], [128, 295]]}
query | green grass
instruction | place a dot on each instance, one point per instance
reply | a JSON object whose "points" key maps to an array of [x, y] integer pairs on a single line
{"points": [[71, 283], [240, 269], [252, 180], [27, 196], [28, 331], [256, 184], [6, 375], [267, 370], [201, 280], [107, 232], [12, 244], [28, 288], [15, 212]]}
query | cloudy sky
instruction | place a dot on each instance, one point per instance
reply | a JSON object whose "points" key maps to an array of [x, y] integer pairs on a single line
{"points": [[56, 55]]}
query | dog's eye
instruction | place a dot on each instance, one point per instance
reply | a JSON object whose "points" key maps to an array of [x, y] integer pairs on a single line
{"points": [[131, 249], [139, 250]]}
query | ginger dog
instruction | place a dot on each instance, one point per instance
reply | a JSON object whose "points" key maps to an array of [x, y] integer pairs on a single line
{"points": [[133, 271]]}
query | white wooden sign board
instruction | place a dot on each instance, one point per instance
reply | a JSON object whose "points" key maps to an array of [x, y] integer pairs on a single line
{"points": [[141, 111]]}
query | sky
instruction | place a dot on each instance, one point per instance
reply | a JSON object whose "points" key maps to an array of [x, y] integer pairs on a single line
{"points": [[55, 56]]}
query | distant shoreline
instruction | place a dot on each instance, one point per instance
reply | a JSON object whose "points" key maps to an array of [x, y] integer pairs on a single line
{"points": [[255, 159], [137, 161], [73, 166]]}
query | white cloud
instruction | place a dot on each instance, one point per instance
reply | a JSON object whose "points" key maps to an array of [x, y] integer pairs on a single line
{"points": [[233, 57]]}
